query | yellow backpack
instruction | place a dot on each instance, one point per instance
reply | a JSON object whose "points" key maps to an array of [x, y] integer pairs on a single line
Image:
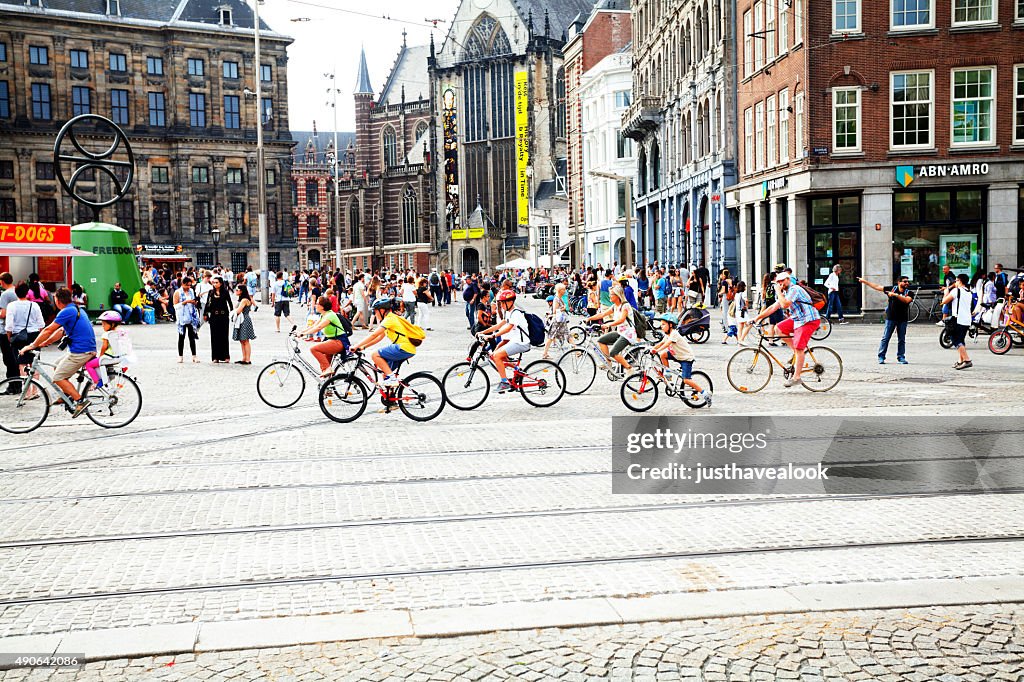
{"points": [[413, 332]]}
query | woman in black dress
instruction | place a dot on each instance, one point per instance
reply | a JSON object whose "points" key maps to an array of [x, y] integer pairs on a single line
{"points": [[217, 312]]}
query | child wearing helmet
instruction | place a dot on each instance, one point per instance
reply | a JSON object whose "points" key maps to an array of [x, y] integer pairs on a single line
{"points": [[388, 359], [675, 347], [514, 331], [110, 347]]}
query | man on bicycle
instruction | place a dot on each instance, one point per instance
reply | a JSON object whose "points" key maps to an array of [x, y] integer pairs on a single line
{"points": [[71, 322], [388, 359], [796, 330], [515, 332]]}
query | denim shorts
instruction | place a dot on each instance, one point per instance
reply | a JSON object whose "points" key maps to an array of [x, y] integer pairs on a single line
{"points": [[394, 356]]}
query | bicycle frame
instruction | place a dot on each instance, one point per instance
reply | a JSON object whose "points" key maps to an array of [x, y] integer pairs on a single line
{"points": [[36, 372], [372, 374]]}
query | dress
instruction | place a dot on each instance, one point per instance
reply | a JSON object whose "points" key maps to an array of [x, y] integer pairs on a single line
{"points": [[218, 309], [245, 331]]}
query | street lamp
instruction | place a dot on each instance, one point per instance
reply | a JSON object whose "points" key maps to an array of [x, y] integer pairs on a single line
{"points": [[260, 171], [215, 233], [335, 174], [627, 260]]}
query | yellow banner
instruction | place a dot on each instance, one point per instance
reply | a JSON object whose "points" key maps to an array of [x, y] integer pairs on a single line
{"points": [[475, 233], [523, 144]]}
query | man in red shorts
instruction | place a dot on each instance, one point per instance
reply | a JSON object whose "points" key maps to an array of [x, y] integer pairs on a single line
{"points": [[796, 329]]}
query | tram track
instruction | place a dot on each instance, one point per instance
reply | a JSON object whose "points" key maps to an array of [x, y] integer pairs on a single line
{"points": [[497, 566], [456, 518]]}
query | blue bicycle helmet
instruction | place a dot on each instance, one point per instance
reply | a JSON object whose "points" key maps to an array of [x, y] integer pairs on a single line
{"points": [[671, 318], [384, 304], [550, 299]]}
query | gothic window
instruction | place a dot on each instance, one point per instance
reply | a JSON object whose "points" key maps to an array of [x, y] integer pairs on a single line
{"points": [[353, 223], [560, 97], [486, 39], [421, 130], [390, 141], [410, 221]]}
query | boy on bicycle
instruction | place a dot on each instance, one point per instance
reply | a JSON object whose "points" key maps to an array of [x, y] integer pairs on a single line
{"points": [[388, 359], [515, 332], [675, 347]]}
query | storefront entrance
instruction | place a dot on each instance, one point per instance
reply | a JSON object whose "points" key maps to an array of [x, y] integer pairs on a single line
{"points": [[834, 239], [935, 228]]}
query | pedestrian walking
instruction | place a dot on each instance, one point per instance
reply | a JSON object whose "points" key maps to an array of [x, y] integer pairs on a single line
{"points": [[435, 288], [835, 303], [23, 320], [959, 301], [7, 297], [897, 315], [282, 291], [242, 328], [186, 314], [217, 312], [424, 296]]}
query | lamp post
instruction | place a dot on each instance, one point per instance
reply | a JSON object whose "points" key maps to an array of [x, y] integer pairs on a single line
{"points": [[260, 168], [335, 175], [215, 233], [627, 258]]}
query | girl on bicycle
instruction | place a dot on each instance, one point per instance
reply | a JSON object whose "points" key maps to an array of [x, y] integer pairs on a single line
{"points": [[675, 347], [110, 347]]}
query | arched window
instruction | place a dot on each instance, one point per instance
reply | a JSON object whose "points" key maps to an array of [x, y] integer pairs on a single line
{"points": [[655, 165], [705, 39], [353, 223], [486, 39], [390, 141], [642, 171], [410, 217], [560, 102], [312, 227], [421, 130]]}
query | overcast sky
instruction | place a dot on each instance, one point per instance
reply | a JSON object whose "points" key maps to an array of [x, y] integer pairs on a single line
{"points": [[332, 39]]}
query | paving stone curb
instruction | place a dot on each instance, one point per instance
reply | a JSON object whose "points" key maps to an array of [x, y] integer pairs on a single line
{"points": [[202, 637]]}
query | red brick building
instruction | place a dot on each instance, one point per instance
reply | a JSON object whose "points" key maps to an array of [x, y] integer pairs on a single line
{"points": [[313, 193], [893, 147]]}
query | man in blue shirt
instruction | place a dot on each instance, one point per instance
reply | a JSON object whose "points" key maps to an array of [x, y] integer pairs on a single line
{"points": [[73, 323], [796, 330], [628, 290]]}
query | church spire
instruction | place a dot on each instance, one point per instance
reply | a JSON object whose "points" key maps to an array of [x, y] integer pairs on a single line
{"points": [[363, 86]]}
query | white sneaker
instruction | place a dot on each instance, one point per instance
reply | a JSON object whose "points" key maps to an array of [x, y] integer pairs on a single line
{"points": [[795, 381], [940, 323], [390, 381], [706, 397]]}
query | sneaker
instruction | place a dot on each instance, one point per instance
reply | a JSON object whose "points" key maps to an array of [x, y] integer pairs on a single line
{"points": [[706, 397], [841, 322], [940, 323], [965, 365], [795, 381], [80, 407], [503, 386], [881, 361], [903, 361], [390, 381]]}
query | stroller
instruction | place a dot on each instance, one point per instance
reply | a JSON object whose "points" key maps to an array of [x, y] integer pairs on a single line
{"points": [[695, 325]]}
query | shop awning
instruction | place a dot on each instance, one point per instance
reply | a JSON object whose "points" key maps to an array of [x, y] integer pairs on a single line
{"points": [[163, 257], [41, 250]]}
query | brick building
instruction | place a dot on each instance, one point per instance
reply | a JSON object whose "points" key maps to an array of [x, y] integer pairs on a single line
{"points": [[386, 208], [683, 120], [173, 76], [893, 147], [313, 213], [599, 86]]}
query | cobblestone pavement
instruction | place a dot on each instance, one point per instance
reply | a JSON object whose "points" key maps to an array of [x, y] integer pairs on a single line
{"points": [[952, 644], [264, 513]]}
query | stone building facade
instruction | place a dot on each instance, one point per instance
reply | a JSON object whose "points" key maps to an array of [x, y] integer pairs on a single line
{"points": [[387, 216], [889, 162], [498, 89], [683, 119], [173, 76]]}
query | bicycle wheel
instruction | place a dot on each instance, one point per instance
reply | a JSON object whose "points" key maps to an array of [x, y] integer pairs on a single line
{"points": [[18, 415], [577, 335], [639, 392], [823, 330], [749, 370], [421, 396], [544, 383], [826, 370], [699, 335], [116, 404], [944, 340], [343, 398], [280, 384], [579, 368], [691, 396], [1000, 342], [466, 388], [914, 311]]}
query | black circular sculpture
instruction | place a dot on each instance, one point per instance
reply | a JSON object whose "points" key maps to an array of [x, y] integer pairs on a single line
{"points": [[103, 161]]}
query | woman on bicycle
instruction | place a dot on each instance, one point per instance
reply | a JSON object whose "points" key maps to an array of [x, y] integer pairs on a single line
{"points": [[336, 338], [620, 334]]}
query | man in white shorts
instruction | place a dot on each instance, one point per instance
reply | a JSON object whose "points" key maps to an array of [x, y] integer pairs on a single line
{"points": [[515, 332]]}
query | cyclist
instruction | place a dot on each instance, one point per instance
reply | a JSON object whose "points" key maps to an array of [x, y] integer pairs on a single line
{"points": [[621, 334], [388, 359], [74, 324], [334, 332], [675, 347], [515, 332], [796, 329]]}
